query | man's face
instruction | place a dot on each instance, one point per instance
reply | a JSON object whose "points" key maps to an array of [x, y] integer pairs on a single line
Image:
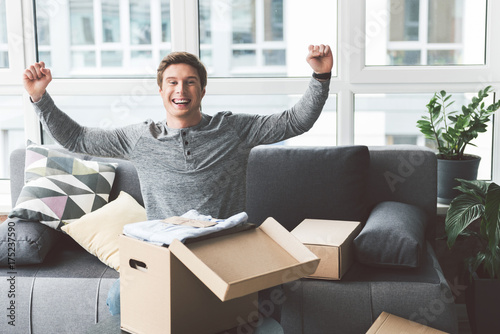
{"points": [[182, 94]]}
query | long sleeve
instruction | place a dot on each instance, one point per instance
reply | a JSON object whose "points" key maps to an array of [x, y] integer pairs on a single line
{"points": [[93, 141], [257, 129]]}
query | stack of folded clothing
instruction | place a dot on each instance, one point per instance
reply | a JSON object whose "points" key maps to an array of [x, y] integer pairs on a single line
{"points": [[190, 225]]}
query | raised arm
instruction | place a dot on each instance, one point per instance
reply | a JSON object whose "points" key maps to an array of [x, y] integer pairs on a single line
{"points": [[67, 132], [258, 129]]}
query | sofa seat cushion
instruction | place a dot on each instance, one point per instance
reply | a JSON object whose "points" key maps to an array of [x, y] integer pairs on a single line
{"points": [[291, 184], [65, 294], [25, 242], [351, 305], [394, 236]]}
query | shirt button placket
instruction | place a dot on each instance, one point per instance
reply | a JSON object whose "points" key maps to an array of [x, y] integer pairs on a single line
{"points": [[184, 134]]}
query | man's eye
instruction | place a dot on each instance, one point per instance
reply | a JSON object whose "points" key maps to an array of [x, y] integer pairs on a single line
{"points": [[172, 82], [192, 82]]}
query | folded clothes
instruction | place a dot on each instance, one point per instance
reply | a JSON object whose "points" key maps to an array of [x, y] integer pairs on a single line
{"points": [[161, 233]]}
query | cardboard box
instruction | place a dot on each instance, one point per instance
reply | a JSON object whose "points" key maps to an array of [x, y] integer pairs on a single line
{"points": [[388, 323], [331, 241], [206, 286]]}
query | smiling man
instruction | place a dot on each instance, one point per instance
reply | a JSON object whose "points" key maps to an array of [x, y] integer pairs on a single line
{"points": [[190, 160]]}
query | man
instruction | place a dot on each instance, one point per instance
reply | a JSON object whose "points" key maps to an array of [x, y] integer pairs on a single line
{"points": [[191, 160]]}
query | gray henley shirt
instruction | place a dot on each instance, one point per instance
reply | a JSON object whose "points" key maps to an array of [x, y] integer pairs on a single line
{"points": [[201, 167]]}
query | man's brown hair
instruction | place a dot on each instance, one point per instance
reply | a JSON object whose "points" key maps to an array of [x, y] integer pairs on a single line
{"points": [[182, 58]]}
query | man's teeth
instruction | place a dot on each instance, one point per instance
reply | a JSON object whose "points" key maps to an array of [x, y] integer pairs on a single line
{"points": [[181, 101]]}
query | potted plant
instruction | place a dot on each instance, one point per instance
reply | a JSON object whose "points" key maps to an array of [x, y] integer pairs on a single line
{"points": [[452, 131], [479, 201]]}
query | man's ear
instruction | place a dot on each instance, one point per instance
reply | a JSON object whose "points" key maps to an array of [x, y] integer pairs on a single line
{"points": [[203, 92]]}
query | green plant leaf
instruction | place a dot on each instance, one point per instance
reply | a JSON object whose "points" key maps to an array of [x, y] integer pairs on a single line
{"points": [[477, 187], [492, 216], [464, 209]]}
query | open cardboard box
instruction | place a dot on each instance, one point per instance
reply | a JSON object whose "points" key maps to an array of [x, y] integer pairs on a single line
{"points": [[388, 323], [331, 241], [206, 286]]}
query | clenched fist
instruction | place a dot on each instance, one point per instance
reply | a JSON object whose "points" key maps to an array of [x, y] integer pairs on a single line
{"points": [[36, 78], [320, 58]]}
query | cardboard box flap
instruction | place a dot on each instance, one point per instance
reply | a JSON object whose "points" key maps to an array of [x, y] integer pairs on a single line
{"points": [[324, 232], [388, 323], [238, 264]]}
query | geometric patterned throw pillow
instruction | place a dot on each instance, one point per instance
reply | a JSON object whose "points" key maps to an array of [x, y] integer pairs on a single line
{"points": [[60, 189]]}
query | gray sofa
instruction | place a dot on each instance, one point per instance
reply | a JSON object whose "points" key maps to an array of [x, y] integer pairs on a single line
{"points": [[392, 190]]}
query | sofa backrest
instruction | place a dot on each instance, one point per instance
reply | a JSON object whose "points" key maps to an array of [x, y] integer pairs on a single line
{"points": [[404, 173], [291, 184], [342, 182], [294, 183], [126, 178]]}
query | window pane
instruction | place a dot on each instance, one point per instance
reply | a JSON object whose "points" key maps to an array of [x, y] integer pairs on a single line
{"points": [[444, 57], [445, 18], [390, 119], [404, 22], [82, 22], [78, 41], [111, 21], [244, 58], [423, 32], [112, 58], [273, 16], [204, 17], [404, 57], [263, 38], [274, 57], [140, 22], [243, 21], [165, 21], [11, 130], [83, 59], [4, 46]]}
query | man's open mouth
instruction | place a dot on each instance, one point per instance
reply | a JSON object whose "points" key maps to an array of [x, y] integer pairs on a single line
{"points": [[181, 101]]}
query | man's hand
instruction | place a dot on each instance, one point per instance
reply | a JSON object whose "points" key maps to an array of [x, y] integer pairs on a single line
{"points": [[36, 78], [320, 58]]}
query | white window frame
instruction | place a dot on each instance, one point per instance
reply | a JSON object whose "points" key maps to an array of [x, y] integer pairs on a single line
{"points": [[124, 45], [15, 44], [353, 77], [11, 77], [414, 79]]}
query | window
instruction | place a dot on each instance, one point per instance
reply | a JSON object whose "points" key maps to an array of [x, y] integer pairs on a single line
{"points": [[263, 38], [103, 38], [389, 56], [426, 32], [4, 46], [388, 119]]}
